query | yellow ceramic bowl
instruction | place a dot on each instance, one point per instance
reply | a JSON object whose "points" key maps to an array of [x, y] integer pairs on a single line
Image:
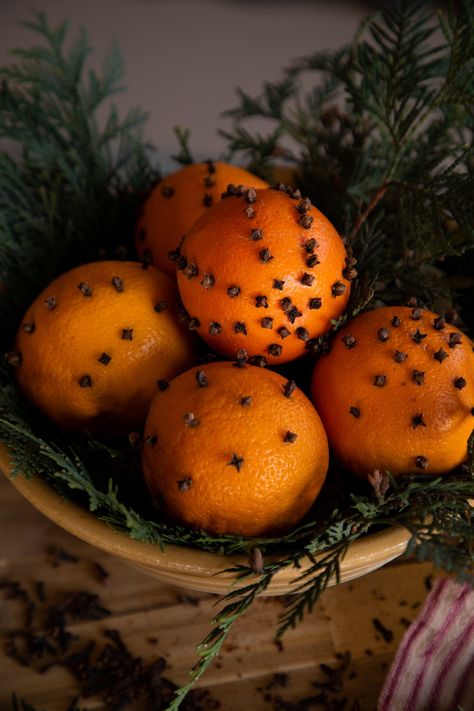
{"points": [[184, 566]]}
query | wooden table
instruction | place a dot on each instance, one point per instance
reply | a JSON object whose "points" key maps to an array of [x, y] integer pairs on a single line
{"points": [[159, 620]]}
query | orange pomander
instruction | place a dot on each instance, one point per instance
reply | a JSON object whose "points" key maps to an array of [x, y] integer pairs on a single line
{"points": [[175, 204], [234, 450], [263, 271], [396, 393], [97, 343]]}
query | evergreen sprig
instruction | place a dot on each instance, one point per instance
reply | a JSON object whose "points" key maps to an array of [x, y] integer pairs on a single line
{"points": [[72, 194], [391, 165], [383, 141]]}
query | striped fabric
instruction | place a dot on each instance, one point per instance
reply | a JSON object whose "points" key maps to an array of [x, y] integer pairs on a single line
{"points": [[434, 666]]}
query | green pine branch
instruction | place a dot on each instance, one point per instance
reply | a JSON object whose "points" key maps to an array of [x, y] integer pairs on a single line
{"points": [[77, 185], [383, 140]]}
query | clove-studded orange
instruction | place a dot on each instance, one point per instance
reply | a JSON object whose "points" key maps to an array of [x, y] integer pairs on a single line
{"points": [[263, 270], [396, 392], [175, 204], [234, 450], [94, 346]]}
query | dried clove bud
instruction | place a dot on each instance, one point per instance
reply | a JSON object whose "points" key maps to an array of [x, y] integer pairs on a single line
{"points": [[256, 235], [233, 291], [207, 200], [418, 421], [105, 359], [29, 327], [275, 349], [173, 254], [307, 279], [151, 440], [50, 303], [302, 333], [354, 411], [278, 284], [290, 437], [349, 341], [421, 462], [451, 316], [127, 334], [265, 255], [214, 328], [289, 388], [349, 273], [241, 358], [194, 323], [460, 383], [439, 323], [400, 356], [250, 195], [258, 360], [181, 262], [190, 420], [383, 334], [416, 314], [380, 380], [191, 270], [396, 321], [162, 385], [208, 281], [455, 339], [418, 336], [245, 401], [261, 302], [293, 314], [184, 484], [161, 306], [85, 288], [338, 288], [304, 206], [315, 303], [256, 561], [306, 221], [310, 245], [85, 381], [201, 379], [240, 327], [266, 322], [379, 482], [419, 376], [236, 461], [283, 332], [285, 304], [440, 355], [249, 212], [13, 358], [312, 261]]}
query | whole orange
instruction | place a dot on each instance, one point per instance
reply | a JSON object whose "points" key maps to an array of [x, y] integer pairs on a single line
{"points": [[396, 392], [175, 204], [234, 450], [93, 347], [265, 271]]}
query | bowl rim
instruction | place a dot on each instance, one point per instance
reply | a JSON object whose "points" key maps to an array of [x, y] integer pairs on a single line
{"points": [[187, 562]]}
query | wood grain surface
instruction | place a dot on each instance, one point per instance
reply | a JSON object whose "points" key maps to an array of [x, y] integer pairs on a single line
{"points": [[156, 619]]}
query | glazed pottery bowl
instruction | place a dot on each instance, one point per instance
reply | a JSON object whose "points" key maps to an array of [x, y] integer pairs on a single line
{"points": [[182, 565]]}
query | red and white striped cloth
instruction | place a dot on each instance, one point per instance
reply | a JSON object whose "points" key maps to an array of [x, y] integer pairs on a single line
{"points": [[434, 666]]}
